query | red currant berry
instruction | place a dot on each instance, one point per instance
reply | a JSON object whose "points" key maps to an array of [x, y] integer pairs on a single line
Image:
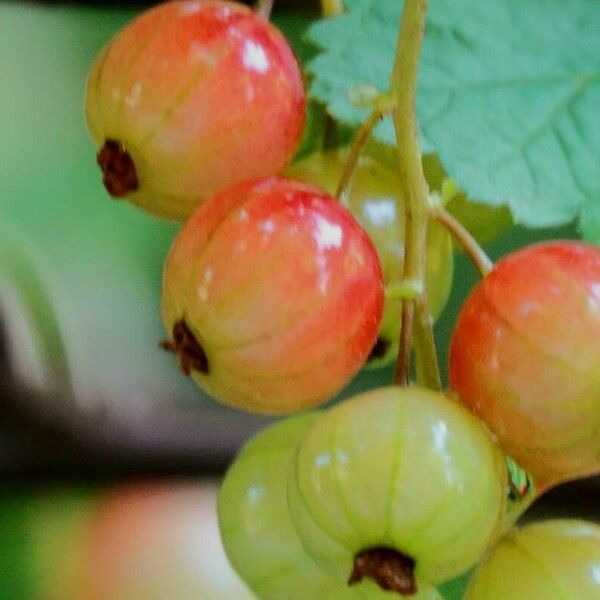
{"points": [[376, 199], [272, 296], [525, 357], [189, 98], [151, 540]]}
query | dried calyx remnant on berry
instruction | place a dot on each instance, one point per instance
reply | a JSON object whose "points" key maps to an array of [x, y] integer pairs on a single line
{"points": [[268, 283], [118, 170], [392, 570], [190, 353], [189, 98]]}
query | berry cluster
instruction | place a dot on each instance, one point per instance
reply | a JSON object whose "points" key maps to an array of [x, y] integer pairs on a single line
{"points": [[275, 293]]}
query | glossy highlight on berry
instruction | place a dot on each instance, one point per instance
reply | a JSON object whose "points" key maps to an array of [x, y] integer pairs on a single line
{"points": [[525, 358], [189, 98], [405, 473], [279, 292]]}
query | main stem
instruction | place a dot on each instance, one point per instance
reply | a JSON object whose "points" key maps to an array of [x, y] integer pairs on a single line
{"points": [[474, 251], [415, 313]]}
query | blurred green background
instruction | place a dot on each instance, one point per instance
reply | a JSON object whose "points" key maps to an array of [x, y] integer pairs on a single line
{"points": [[80, 280]]}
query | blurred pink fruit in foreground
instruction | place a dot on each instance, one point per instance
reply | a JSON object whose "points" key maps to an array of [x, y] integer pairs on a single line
{"points": [[159, 542]]}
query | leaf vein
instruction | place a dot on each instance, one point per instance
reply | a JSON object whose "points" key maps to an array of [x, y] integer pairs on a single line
{"points": [[569, 161], [534, 134]]}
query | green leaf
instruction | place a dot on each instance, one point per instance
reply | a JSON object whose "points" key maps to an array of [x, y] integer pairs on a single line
{"points": [[508, 95], [455, 588], [589, 222], [358, 50]]}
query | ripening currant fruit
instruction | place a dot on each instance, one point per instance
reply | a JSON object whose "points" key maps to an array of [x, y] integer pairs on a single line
{"points": [[189, 98], [525, 357], [257, 532], [551, 560], [272, 296], [401, 485], [375, 199], [157, 541]]}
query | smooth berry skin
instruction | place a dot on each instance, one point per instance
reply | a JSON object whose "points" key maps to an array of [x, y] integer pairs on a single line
{"points": [[256, 529], [281, 288], [525, 357], [553, 560], [375, 198], [257, 532], [201, 94], [402, 468]]}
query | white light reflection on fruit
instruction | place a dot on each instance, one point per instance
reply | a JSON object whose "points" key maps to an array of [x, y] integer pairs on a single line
{"points": [[327, 235], [254, 57]]}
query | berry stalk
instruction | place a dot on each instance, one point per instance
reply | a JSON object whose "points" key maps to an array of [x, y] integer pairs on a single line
{"points": [[360, 139], [475, 252], [415, 312]]}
